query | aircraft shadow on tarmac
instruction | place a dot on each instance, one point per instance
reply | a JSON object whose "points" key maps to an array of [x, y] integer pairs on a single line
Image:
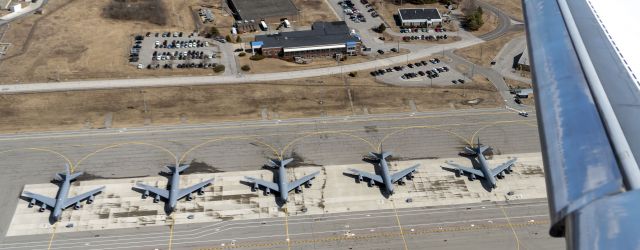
{"points": [[377, 170]]}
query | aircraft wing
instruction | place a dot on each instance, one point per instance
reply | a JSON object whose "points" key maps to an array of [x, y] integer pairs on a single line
{"points": [[585, 67], [51, 202], [464, 169], [502, 167], [367, 175], [162, 192], [267, 184], [298, 182], [185, 191], [397, 176], [77, 198]]}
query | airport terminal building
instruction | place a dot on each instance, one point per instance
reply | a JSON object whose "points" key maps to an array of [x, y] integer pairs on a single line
{"points": [[325, 39], [419, 17]]}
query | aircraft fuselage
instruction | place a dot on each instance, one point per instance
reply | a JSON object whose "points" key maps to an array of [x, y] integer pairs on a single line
{"points": [[174, 189], [62, 196], [484, 167], [282, 183], [386, 178]]}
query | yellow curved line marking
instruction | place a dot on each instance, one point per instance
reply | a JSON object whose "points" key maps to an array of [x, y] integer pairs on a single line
{"points": [[324, 132], [436, 127], [275, 151], [53, 234], [473, 137], [123, 144], [43, 150]]}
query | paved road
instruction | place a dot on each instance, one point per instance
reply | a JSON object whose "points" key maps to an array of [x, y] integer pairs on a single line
{"points": [[117, 153], [515, 225], [494, 77], [226, 79], [505, 23]]}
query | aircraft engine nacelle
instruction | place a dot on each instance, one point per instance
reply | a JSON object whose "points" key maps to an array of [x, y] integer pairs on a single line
{"points": [[307, 184], [156, 199], [201, 191], [472, 177], [298, 189], [501, 174], [255, 187], [359, 178], [401, 181], [371, 183], [189, 197], [509, 169], [145, 194], [32, 202], [42, 208], [76, 206], [267, 191], [460, 172], [90, 199], [410, 176]]}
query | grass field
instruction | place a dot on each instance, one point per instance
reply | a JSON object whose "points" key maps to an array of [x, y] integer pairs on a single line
{"points": [[312, 97]]}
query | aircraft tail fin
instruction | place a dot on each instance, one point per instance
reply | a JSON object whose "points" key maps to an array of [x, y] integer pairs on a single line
{"points": [[277, 163], [178, 168], [286, 161], [67, 174], [380, 156]]}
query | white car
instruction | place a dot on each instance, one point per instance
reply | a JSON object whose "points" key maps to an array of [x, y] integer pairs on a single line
{"points": [[140, 66], [178, 46], [158, 58]]}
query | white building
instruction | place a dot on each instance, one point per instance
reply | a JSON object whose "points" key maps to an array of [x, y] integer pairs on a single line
{"points": [[16, 8], [419, 17]]}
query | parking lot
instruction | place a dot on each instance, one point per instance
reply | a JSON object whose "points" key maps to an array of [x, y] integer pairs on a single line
{"points": [[173, 50], [421, 73]]}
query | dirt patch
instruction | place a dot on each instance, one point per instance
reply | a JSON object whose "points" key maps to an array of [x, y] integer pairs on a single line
{"points": [[153, 11], [313, 11], [515, 84], [484, 53], [75, 39]]}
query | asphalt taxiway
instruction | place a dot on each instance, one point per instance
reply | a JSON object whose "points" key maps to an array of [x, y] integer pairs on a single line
{"points": [[238, 146], [487, 225]]}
